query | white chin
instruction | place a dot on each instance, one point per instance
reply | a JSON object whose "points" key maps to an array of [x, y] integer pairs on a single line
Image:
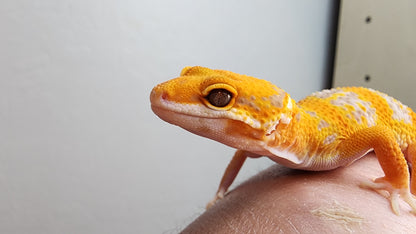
{"points": [[212, 128], [203, 126]]}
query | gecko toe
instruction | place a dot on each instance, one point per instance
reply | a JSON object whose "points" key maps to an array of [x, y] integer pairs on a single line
{"points": [[393, 194]]}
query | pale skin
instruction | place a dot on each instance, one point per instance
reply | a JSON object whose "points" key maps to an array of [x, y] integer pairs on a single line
{"points": [[283, 200]]}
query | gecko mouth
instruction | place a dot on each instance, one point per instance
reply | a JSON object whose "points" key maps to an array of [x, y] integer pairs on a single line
{"points": [[206, 126], [178, 117]]}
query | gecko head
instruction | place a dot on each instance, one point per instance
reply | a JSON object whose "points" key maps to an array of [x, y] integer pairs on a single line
{"points": [[222, 105]]}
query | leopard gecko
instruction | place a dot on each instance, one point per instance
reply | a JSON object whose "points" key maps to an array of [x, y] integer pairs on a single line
{"points": [[326, 130]]}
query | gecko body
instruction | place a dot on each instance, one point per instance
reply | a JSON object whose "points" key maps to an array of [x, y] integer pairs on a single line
{"points": [[326, 130]]}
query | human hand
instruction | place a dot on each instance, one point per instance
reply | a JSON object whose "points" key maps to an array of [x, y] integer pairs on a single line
{"points": [[282, 200]]}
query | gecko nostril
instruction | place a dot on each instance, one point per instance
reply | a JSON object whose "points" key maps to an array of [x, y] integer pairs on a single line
{"points": [[157, 94], [164, 95]]}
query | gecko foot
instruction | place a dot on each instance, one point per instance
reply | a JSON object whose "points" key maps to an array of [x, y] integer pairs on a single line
{"points": [[217, 197], [393, 194]]}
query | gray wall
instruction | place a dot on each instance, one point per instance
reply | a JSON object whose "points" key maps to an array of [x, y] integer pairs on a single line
{"points": [[80, 149]]}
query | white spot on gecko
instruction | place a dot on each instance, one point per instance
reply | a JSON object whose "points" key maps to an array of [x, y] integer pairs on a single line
{"points": [[362, 109], [311, 113], [250, 103], [330, 139], [285, 119], [400, 111], [326, 93], [276, 100], [297, 116], [322, 124], [235, 114], [289, 103]]}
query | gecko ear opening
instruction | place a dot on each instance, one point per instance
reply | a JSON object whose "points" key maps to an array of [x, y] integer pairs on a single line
{"points": [[219, 96]]}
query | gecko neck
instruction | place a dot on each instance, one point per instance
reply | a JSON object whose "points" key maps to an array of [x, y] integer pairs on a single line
{"points": [[291, 144]]}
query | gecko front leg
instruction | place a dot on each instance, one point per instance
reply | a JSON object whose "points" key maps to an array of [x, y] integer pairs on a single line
{"points": [[230, 174]]}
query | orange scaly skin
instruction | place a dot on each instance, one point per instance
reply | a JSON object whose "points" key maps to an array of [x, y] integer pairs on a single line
{"points": [[326, 130]]}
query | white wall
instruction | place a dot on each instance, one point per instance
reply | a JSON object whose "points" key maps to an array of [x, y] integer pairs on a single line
{"points": [[80, 149]]}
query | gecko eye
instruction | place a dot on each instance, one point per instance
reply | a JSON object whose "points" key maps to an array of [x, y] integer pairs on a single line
{"points": [[219, 97]]}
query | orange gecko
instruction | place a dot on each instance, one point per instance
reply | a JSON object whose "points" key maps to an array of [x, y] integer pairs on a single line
{"points": [[326, 130]]}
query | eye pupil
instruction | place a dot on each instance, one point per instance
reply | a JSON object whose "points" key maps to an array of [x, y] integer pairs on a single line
{"points": [[219, 97]]}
